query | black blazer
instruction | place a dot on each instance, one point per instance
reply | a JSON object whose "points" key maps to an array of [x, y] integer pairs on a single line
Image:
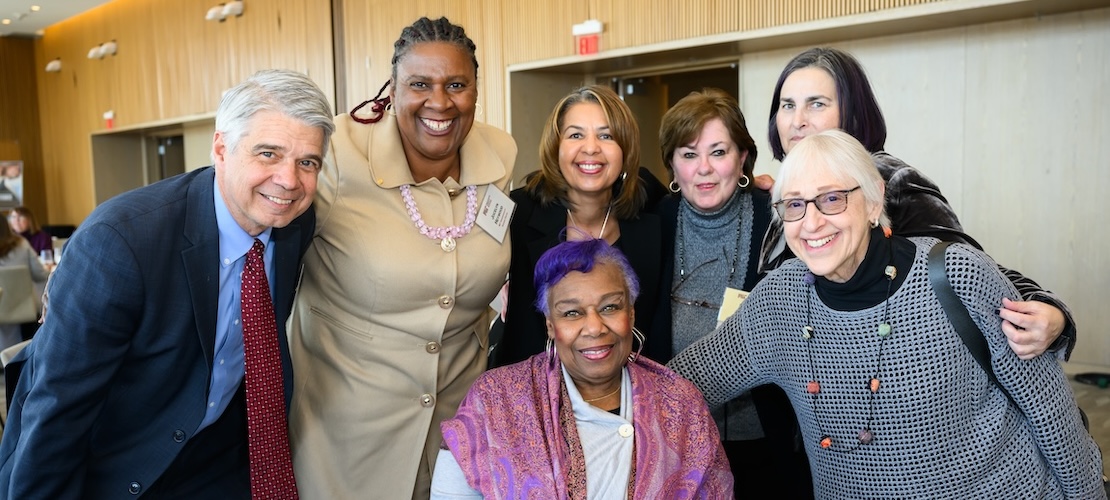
{"points": [[535, 229], [115, 382]]}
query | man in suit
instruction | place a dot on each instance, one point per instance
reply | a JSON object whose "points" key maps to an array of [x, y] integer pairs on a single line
{"points": [[135, 385]]}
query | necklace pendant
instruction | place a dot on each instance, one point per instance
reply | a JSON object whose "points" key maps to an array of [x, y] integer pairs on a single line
{"points": [[865, 436], [447, 244], [826, 442], [884, 329]]}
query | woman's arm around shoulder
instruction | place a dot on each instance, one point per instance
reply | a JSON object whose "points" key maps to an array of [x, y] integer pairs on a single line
{"points": [[1038, 386]]}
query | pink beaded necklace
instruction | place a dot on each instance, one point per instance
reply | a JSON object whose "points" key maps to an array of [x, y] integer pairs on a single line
{"points": [[445, 235]]}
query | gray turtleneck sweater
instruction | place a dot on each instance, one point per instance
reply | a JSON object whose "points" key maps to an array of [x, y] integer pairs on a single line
{"points": [[706, 262]]}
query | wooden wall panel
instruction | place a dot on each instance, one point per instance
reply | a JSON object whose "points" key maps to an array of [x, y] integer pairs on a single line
{"points": [[535, 31], [171, 64], [19, 119]]}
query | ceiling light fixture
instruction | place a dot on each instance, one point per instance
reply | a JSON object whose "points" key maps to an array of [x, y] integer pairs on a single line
{"points": [[215, 13], [54, 66]]}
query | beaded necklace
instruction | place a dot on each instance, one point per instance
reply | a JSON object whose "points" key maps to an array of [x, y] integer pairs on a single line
{"points": [[866, 435], [445, 235]]}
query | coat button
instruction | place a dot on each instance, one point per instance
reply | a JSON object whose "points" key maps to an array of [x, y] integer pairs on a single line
{"points": [[427, 400], [432, 347], [178, 436], [134, 488], [446, 301]]}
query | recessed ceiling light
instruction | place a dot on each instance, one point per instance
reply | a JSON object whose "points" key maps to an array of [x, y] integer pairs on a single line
{"points": [[6, 21], [35, 8]]}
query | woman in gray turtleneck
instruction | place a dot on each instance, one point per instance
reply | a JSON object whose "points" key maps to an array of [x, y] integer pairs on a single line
{"points": [[712, 227]]}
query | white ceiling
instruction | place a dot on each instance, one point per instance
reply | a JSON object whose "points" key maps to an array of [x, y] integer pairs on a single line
{"points": [[25, 22]]}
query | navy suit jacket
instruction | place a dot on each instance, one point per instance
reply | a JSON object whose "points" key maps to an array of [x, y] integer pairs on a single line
{"points": [[116, 381]]}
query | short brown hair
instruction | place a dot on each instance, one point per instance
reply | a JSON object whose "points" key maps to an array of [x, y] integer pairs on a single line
{"points": [[683, 123]]}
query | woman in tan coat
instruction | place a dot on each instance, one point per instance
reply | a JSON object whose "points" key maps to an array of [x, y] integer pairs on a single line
{"points": [[390, 326]]}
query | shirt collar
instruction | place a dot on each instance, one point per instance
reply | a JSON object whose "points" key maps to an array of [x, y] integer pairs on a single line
{"points": [[234, 241]]}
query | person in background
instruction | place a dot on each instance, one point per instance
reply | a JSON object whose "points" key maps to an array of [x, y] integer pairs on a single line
{"points": [[163, 370], [587, 187], [589, 417], [392, 317], [23, 223], [824, 88], [712, 227], [15, 251], [892, 403]]}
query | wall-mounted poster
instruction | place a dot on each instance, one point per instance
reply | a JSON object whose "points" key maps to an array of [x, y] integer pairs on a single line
{"points": [[11, 184]]}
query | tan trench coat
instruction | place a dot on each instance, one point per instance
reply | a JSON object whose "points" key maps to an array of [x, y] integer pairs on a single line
{"points": [[389, 331]]}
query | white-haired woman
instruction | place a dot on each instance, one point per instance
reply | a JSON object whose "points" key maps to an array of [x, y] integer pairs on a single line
{"points": [[890, 401]]}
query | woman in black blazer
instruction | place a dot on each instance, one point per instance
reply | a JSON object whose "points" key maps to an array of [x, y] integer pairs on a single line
{"points": [[588, 186]]}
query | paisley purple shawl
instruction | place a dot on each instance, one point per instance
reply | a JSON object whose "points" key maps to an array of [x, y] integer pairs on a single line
{"points": [[509, 443]]}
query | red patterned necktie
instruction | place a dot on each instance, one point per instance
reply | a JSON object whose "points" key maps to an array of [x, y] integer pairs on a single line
{"points": [[267, 433]]}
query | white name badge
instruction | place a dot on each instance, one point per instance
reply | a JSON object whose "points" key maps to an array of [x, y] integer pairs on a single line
{"points": [[495, 212], [730, 303]]}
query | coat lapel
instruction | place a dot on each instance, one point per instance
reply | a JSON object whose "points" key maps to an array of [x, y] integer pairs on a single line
{"points": [[201, 258]]}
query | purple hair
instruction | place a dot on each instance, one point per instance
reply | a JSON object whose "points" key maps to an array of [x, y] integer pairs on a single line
{"points": [[860, 115], [579, 256]]}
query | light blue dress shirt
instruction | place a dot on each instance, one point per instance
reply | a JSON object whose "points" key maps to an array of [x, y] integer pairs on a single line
{"points": [[227, 357]]}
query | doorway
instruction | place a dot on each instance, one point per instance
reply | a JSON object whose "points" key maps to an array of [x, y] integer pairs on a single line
{"points": [[650, 96]]}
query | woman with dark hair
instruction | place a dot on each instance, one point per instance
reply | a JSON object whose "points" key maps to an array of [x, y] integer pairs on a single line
{"points": [[588, 417], [15, 251], [711, 229], [23, 223], [824, 88], [587, 187], [391, 320]]}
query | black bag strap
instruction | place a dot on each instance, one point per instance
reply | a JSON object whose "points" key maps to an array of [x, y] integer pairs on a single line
{"points": [[958, 315]]}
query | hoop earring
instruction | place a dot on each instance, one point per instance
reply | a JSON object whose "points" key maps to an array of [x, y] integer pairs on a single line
{"points": [[673, 186], [550, 350], [637, 335], [874, 223], [389, 110], [624, 175], [478, 109], [746, 180]]}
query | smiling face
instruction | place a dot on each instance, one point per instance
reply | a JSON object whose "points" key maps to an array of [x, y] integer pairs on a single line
{"points": [[590, 319], [268, 176], [589, 157], [807, 105], [708, 169], [832, 246], [434, 96]]}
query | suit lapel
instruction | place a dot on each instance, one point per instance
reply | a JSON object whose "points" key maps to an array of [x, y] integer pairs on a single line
{"points": [[548, 222], [201, 259]]}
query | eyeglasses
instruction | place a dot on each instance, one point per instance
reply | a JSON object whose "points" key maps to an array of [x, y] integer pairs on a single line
{"points": [[830, 203], [691, 302]]}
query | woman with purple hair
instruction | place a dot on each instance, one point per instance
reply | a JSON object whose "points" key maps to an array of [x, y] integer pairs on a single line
{"points": [[588, 417]]}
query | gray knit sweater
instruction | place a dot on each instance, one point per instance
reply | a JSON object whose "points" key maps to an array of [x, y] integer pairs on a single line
{"points": [[941, 429]]}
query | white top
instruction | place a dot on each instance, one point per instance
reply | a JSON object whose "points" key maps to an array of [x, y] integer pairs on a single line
{"points": [[607, 444]]}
